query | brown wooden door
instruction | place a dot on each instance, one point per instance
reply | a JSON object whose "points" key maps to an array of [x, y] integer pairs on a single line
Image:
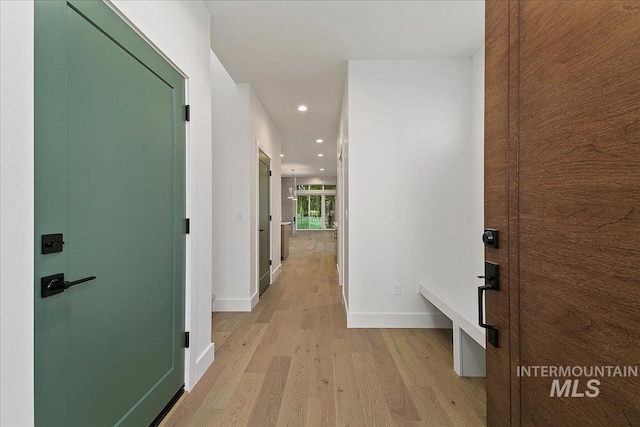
{"points": [[563, 186]]}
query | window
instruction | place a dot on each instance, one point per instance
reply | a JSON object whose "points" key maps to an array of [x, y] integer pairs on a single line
{"points": [[315, 187], [329, 187], [315, 212]]}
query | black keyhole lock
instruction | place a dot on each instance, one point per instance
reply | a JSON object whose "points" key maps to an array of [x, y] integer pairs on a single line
{"points": [[52, 243], [490, 238]]}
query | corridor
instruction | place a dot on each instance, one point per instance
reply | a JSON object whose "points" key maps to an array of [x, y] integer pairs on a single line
{"points": [[292, 361]]}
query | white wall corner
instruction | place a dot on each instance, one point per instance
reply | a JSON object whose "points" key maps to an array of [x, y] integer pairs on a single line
{"points": [[254, 300]]}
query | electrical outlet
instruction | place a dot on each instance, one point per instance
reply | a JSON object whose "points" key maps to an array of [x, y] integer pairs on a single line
{"points": [[397, 288]]}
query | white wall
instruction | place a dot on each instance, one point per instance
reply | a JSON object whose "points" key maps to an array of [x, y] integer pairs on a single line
{"points": [[265, 136], [412, 177], [240, 125], [477, 154], [180, 30], [16, 213], [231, 136]]}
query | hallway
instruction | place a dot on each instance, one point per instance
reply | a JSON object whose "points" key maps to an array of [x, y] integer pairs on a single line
{"points": [[292, 361]]}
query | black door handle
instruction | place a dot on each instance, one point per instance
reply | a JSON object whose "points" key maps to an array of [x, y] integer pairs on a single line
{"points": [[492, 330], [56, 284], [491, 283], [262, 229]]}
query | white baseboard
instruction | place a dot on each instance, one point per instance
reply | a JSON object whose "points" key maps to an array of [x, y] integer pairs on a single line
{"points": [[276, 272], [254, 300], [346, 306], [232, 304], [398, 320], [204, 361]]}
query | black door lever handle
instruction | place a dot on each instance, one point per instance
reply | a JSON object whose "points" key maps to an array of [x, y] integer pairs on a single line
{"points": [[56, 284], [63, 284]]}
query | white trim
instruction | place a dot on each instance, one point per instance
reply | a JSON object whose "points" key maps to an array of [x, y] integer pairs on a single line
{"points": [[254, 299], [255, 214], [204, 361], [233, 304], [398, 320], [276, 272], [346, 307], [142, 35]]}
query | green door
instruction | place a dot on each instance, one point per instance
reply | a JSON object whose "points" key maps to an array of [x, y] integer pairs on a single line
{"points": [[110, 177], [264, 222]]}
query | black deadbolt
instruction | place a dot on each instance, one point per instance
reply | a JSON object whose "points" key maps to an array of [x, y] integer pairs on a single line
{"points": [[490, 238], [52, 243]]}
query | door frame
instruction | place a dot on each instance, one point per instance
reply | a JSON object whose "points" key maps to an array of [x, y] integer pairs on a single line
{"points": [[254, 288], [261, 154]]}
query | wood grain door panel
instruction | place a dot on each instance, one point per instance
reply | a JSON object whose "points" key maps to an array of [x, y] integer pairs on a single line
{"points": [[579, 201], [562, 173]]}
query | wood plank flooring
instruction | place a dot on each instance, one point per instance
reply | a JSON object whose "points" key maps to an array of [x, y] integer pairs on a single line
{"points": [[293, 362]]}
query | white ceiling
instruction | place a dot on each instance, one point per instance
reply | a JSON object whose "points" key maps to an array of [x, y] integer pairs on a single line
{"points": [[296, 52]]}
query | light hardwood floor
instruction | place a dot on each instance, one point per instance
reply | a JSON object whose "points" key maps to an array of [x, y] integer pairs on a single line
{"points": [[292, 361]]}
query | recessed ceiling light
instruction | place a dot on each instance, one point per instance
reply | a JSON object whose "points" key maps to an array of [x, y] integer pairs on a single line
{"points": [[302, 108], [281, 155], [320, 155], [318, 141], [321, 169]]}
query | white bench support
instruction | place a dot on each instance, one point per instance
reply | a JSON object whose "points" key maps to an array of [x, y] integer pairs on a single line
{"points": [[468, 355], [458, 304]]}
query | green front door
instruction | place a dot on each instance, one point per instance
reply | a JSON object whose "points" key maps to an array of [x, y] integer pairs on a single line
{"points": [[264, 222], [110, 177]]}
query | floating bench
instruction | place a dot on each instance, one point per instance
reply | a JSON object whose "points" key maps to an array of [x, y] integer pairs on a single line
{"points": [[459, 304]]}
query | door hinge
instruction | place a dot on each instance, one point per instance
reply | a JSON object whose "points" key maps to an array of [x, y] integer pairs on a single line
{"points": [[187, 113], [186, 340], [187, 225], [269, 217], [270, 262], [269, 173]]}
